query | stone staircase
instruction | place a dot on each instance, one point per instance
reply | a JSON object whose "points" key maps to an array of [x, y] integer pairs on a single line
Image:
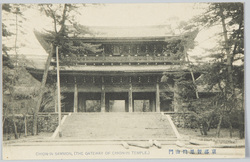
{"points": [[117, 126]]}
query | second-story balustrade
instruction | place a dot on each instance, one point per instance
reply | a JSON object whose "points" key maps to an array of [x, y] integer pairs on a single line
{"points": [[120, 60], [135, 48], [128, 54], [110, 60]]}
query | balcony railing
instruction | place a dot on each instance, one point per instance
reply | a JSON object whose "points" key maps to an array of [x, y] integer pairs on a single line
{"points": [[121, 60]]}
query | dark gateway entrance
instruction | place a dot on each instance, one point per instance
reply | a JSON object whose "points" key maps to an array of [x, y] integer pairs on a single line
{"points": [[114, 102]]}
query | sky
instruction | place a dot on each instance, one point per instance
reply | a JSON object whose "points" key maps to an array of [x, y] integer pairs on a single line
{"points": [[137, 14], [112, 15]]}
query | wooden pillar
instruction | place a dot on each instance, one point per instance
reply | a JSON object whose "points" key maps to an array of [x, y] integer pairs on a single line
{"points": [[126, 105], [103, 99], [107, 103], [133, 105], [25, 126], [80, 103], [130, 99], [75, 99], [157, 98]]}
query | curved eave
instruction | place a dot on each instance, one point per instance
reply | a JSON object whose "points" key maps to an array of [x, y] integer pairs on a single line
{"points": [[109, 70], [124, 39]]}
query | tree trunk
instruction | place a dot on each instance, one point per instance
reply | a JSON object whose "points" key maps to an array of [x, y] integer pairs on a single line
{"points": [[218, 126], [205, 128], [25, 126], [231, 129], [177, 98], [3, 121], [9, 130], [229, 84], [33, 123], [209, 123], [20, 130], [16, 62], [192, 74], [201, 129], [229, 56], [15, 128], [40, 95], [205, 131], [144, 106]]}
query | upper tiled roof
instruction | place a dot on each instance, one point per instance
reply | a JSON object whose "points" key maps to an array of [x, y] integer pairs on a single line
{"points": [[127, 31]]}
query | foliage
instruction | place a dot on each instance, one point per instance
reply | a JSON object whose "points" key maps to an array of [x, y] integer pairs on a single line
{"points": [[225, 73], [19, 87], [46, 123], [13, 66], [93, 106], [197, 112], [65, 31]]}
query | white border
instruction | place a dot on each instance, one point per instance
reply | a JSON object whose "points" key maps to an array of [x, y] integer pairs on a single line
{"points": [[247, 53]]}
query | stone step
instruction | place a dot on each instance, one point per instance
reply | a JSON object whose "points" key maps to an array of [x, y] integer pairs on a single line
{"points": [[123, 126], [115, 113]]}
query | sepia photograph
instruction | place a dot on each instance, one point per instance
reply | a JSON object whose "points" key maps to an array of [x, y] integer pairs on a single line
{"points": [[123, 80]]}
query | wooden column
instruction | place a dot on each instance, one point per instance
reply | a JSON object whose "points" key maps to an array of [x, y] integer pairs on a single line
{"points": [[130, 99], [106, 103], [75, 99], [103, 99], [80, 104], [25, 126], [133, 105], [157, 98], [126, 105]]}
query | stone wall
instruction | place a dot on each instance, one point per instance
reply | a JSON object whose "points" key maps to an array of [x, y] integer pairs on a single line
{"points": [[47, 122]]}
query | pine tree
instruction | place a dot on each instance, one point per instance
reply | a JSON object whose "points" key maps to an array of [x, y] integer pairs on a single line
{"points": [[14, 72], [62, 17], [224, 72]]}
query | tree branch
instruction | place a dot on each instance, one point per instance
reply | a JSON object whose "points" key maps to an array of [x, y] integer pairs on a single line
{"points": [[236, 43], [54, 18], [64, 16]]}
